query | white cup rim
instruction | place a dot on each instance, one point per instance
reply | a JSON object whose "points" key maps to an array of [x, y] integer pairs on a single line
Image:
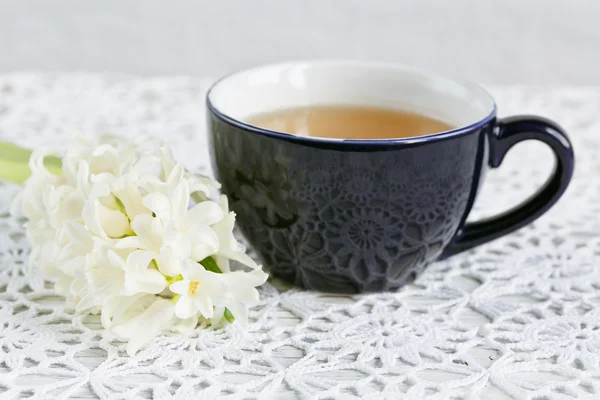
{"points": [[481, 114]]}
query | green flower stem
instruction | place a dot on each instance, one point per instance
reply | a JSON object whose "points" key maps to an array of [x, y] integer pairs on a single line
{"points": [[14, 163]]}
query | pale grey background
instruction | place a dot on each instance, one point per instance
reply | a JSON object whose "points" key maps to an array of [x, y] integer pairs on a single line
{"points": [[509, 41]]}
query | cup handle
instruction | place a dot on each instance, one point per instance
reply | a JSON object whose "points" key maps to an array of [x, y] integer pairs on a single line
{"points": [[507, 133]]}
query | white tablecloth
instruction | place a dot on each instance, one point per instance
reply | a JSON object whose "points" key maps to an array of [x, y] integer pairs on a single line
{"points": [[519, 317]]}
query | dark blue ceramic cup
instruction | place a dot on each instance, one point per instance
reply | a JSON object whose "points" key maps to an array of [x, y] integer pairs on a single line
{"points": [[352, 216]]}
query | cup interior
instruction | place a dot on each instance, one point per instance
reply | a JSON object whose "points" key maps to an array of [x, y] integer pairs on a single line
{"points": [[299, 84]]}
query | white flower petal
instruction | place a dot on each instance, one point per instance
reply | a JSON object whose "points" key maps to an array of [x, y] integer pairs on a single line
{"points": [[114, 259], [255, 277], [242, 285], [139, 260], [142, 225], [228, 245], [131, 197], [85, 303], [201, 184], [180, 287], [101, 187], [194, 271], [168, 263], [36, 162], [205, 213], [239, 312], [133, 242], [159, 204], [79, 241], [91, 220], [105, 222], [63, 283], [148, 234], [185, 307], [118, 309], [105, 273], [151, 281], [185, 325], [72, 207], [174, 172], [73, 265], [223, 263], [144, 327], [180, 199], [83, 177], [218, 316], [204, 242], [204, 305], [115, 223]]}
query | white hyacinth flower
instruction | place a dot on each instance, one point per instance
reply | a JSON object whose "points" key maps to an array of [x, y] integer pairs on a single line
{"points": [[229, 247], [241, 288], [175, 232], [127, 232], [137, 319], [199, 291]]}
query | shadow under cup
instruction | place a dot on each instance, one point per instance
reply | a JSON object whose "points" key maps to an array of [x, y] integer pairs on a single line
{"points": [[352, 216]]}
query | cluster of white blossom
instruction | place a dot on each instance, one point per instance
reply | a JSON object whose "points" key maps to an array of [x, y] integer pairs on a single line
{"points": [[127, 232]]}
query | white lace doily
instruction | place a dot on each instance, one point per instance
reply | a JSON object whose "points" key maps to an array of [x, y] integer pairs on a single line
{"points": [[519, 317]]}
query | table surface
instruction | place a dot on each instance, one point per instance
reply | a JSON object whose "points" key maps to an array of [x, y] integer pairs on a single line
{"points": [[516, 318]]}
